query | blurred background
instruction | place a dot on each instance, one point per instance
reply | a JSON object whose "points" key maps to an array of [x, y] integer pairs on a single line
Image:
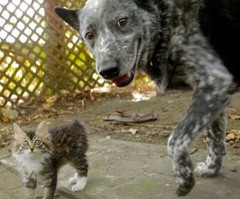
{"points": [[40, 55]]}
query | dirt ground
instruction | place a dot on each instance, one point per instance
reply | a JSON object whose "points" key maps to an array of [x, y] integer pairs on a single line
{"points": [[91, 108], [117, 166], [169, 110]]}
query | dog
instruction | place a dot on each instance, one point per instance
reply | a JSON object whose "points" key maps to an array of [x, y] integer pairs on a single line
{"points": [[194, 41]]}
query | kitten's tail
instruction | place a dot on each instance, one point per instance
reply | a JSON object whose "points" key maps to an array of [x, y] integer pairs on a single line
{"points": [[79, 127]]}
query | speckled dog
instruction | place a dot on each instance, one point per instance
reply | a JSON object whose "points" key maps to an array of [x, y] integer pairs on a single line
{"points": [[195, 41]]}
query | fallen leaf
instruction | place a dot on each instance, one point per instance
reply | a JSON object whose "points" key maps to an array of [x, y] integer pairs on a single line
{"points": [[48, 100], [35, 117], [5, 119], [234, 116], [234, 131], [133, 131], [9, 114], [108, 137], [233, 169], [231, 136]]}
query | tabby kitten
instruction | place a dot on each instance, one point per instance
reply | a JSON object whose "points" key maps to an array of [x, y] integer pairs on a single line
{"points": [[40, 154]]}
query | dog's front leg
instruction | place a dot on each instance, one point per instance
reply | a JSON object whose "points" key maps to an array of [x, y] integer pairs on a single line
{"points": [[209, 101], [214, 136]]}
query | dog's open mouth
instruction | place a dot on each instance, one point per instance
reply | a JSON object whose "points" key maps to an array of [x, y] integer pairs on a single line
{"points": [[125, 79], [129, 76]]}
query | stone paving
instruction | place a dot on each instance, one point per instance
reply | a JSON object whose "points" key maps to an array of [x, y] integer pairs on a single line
{"points": [[127, 170]]}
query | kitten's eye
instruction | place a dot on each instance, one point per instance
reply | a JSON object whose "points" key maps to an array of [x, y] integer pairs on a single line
{"points": [[122, 22], [89, 36], [37, 142], [25, 143]]}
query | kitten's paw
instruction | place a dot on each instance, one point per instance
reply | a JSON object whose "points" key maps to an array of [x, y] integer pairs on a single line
{"points": [[73, 180], [80, 184]]}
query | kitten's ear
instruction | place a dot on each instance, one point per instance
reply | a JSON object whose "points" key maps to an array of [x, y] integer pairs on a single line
{"points": [[19, 134], [42, 131], [69, 15]]}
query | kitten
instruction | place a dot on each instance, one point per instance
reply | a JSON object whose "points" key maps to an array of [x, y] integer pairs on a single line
{"points": [[40, 154]]}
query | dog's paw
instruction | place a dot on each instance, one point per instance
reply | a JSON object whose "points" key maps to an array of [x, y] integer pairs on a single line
{"points": [[80, 184], [204, 170], [184, 188]]}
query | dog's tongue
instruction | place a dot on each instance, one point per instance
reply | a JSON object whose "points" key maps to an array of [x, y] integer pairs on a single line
{"points": [[121, 80], [124, 80]]}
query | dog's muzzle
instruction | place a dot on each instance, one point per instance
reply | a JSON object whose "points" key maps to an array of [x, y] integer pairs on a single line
{"points": [[113, 70], [110, 70], [125, 79]]}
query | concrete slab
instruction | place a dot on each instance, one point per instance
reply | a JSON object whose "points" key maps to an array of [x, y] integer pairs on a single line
{"points": [[127, 170]]}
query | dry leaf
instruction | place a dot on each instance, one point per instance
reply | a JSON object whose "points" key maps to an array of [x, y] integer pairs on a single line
{"points": [[5, 119], [52, 99], [125, 130], [231, 136], [48, 100], [133, 131], [9, 114], [108, 137], [35, 117], [234, 116], [234, 131]]}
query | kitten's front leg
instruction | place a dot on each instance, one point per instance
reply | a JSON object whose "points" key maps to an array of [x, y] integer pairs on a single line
{"points": [[49, 192], [50, 187], [30, 184], [49, 178]]}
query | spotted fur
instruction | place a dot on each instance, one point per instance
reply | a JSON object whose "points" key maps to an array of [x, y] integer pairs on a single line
{"points": [[40, 154], [191, 41]]}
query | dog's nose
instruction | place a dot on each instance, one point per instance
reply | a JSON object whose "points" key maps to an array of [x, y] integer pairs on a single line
{"points": [[110, 70]]}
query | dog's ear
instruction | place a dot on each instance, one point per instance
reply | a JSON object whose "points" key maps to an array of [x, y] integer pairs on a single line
{"points": [[69, 15], [145, 4]]}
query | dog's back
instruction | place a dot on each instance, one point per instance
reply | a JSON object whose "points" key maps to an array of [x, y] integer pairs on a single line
{"points": [[220, 22]]}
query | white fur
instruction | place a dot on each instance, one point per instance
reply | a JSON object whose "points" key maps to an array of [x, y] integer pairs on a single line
{"points": [[30, 161], [73, 180], [80, 184], [206, 169]]}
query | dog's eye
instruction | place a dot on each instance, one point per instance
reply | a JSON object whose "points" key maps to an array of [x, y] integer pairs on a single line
{"points": [[122, 22], [89, 36]]}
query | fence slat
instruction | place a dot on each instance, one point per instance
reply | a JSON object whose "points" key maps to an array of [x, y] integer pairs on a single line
{"points": [[39, 53]]}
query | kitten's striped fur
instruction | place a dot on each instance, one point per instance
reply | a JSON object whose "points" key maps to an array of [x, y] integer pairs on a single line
{"points": [[41, 153]]}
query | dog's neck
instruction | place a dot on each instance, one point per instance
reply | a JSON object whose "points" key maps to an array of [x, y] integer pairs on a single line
{"points": [[157, 66]]}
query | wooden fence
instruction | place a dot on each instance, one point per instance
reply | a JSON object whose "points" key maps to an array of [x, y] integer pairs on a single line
{"points": [[39, 53]]}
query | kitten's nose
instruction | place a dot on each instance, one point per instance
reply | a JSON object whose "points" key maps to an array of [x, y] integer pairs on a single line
{"points": [[31, 149]]}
